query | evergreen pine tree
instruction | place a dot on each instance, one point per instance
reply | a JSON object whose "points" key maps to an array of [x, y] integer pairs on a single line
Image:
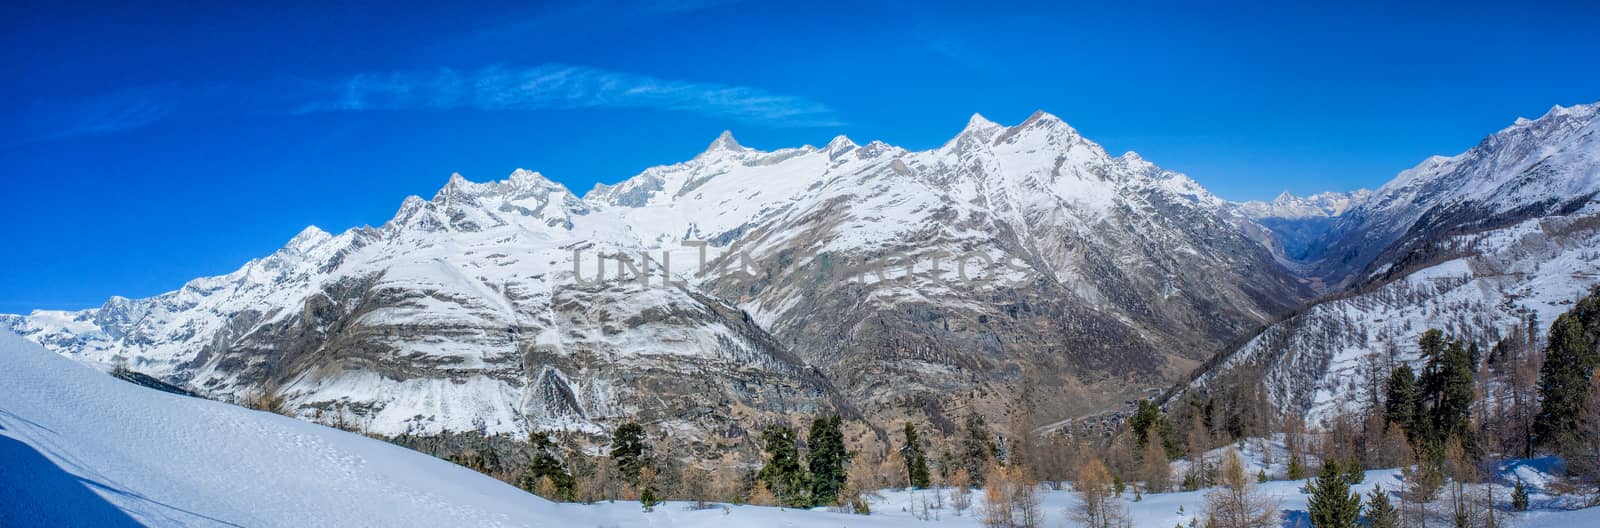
{"points": [[1353, 472], [828, 460], [1297, 469], [545, 464], [1148, 419], [916, 461], [648, 498], [977, 448], [782, 474], [628, 450], [1380, 512], [1403, 398], [1519, 497], [1563, 382], [647, 489], [1332, 504], [1432, 347], [1452, 410]]}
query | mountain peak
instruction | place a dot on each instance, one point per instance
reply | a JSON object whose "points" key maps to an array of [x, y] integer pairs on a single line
{"points": [[839, 145], [1041, 115], [308, 238], [457, 185], [979, 130], [725, 141], [1555, 113], [527, 178], [978, 122], [1579, 110], [1041, 118]]}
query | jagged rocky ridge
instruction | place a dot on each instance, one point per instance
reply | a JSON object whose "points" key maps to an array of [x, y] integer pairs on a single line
{"points": [[1104, 276]]}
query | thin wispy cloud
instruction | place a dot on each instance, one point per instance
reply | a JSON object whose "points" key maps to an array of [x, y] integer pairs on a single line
{"points": [[566, 87], [496, 88], [102, 114]]}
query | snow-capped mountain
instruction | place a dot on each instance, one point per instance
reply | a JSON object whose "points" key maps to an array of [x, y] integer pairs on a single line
{"points": [[1530, 169], [1114, 274], [1289, 207], [1473, 244], [1037, 260], [460, 314], [1297, 223]]}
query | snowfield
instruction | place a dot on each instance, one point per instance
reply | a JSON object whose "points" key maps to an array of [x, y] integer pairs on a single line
{"points": [[81, 448]]}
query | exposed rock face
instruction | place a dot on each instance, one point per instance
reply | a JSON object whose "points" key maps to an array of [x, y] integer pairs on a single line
{"points": [[1121, 275], [1044, 273]]}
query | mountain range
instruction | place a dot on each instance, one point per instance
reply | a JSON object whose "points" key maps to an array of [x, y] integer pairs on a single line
{"points": [[1018, 272]]}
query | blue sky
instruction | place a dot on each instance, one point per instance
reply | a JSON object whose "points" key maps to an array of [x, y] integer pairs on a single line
{"points": [[146, 145]]}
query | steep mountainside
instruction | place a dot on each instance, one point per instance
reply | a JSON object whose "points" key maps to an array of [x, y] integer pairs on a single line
{"points": [[1530, 169], [1041, 266], [1475, 245], [1112, 275]]}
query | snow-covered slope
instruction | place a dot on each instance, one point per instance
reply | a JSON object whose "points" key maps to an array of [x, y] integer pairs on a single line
{"points": [[1549, 165], [1321, 361], [1472, 244], [82, 448], [464, 312]]}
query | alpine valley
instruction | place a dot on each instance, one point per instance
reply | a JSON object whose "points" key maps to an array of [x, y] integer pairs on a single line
{"points": [[1035, 280]]}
